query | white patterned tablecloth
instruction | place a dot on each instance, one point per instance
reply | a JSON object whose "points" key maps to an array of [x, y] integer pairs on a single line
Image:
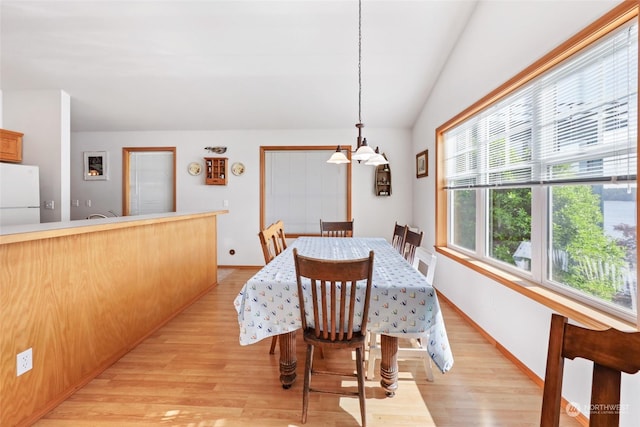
{"points": [[401, 301]]}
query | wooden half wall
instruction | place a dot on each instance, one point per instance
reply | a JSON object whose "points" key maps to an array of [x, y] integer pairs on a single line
{"points": [[82, 297]]}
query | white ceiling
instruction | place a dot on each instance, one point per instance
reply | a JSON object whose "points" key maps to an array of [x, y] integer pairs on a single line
{"points": [[206, 65]]}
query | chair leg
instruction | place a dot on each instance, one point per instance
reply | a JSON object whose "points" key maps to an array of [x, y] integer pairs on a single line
{"points": [[374, 353], [307, 382], [274, 342], [422, 342], [428, 370], [360, 374]]}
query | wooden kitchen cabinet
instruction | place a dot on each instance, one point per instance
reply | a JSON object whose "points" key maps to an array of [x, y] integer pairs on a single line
{"points": [[215, 169], [10, 146]]}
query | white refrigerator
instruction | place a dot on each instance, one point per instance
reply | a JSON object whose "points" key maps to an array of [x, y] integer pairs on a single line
{"points": [[19, 194]]}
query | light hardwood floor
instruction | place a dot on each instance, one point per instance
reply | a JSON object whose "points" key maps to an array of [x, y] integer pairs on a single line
{"points": [[193, 372]]}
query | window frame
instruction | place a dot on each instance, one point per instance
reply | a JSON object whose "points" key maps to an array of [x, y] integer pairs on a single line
{"points": [[570, 306]]}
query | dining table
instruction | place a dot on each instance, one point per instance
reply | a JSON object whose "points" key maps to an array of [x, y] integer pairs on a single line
{"points": [[402, 303]]}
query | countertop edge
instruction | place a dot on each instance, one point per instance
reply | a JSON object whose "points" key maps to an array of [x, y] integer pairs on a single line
{"points": [[47, 230]]}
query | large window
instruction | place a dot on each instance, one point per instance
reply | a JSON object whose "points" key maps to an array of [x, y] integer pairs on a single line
{"points": [[541, 181]]}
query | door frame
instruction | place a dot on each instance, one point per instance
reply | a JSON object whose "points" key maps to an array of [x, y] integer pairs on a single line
{"points": [[126, 153]]}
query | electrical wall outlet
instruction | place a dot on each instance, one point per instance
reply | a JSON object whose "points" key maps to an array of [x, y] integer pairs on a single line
{"points": [[24, 362]]}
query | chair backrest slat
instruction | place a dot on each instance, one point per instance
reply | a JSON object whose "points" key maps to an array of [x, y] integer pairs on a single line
{"points": [[334, 327], [352, 307]]}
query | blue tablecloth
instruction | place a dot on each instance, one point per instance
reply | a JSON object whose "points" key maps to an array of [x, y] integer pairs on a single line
{"points": [[401, 300]]}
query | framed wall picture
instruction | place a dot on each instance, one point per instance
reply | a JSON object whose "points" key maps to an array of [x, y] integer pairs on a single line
{"points": [[96, 166], [422, 164]]}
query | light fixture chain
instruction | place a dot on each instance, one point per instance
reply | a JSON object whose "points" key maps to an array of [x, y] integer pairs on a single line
{"points": [[359, 61]]}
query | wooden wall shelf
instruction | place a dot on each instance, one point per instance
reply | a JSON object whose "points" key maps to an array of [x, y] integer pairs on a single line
{"points": [[215, 169], [383, 180]]}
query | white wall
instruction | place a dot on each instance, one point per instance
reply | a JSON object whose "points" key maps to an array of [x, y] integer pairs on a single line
{"points": [[238, 230], [43, 116], [501, 39]]}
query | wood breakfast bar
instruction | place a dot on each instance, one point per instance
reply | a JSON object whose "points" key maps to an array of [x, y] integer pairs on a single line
{"points": [[81, 294]]}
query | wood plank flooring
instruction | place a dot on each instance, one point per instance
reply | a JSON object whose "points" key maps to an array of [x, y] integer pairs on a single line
{"points": [[193, 372]]}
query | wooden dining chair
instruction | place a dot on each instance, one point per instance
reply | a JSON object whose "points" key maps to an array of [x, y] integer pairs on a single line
{"points": [[279, 226], [272, 239], [399, 235], [412, 240], [411, 346], [339, 322], [612, 352], [270, 243], [336, 228]]}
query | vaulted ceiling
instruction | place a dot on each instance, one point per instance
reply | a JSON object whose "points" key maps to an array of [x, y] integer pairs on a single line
{"points": [[209, 64]]}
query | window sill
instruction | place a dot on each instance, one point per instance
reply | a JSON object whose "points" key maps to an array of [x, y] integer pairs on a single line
{"points": [[575, 310]]}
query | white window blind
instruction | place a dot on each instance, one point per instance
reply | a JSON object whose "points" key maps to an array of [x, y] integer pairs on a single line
{"points": [[301, 188], [574, 123], [151, 182]]}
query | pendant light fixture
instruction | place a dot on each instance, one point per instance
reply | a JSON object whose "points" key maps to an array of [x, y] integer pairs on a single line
{"points": [[363, 151]]}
